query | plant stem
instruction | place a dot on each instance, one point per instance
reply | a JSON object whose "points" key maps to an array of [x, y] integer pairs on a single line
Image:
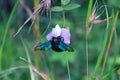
{"points": [[63, 14], [99, 60], [68, 69], [6, 31], [87, 25], [29, 60], [37, 36], [87, 52], [89, 12], [109, 44]]}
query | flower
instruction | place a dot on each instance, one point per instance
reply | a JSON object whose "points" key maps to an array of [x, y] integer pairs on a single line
{"points": [[57, 31]]}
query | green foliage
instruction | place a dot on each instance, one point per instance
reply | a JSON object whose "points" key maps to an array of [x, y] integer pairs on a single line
{"points": [[65, 2], [6, 30], [115, 3], [89, 12], [57, 9], [65, 6], [61, 57], [52, 63], [71, 6], [29, 60]]}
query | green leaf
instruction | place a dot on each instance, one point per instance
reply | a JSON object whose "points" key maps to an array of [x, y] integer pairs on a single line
{"points": [[57, 9], [65, 2], [89, 12], [71, 6], [29, 59], [7, 28]]}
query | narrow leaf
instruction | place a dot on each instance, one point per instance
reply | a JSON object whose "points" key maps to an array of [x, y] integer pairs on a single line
{"points": [[89, 12], [65, 2], [28, 57], [57, 9], [71, 6], [4, 38], [9, 71]]}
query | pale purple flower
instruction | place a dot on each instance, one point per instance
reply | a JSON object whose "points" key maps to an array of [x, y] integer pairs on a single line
{"points": [[65, 33], [57, 31]]}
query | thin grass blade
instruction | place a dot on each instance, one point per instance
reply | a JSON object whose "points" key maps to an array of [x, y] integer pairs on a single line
{"points": [[29, 60]]}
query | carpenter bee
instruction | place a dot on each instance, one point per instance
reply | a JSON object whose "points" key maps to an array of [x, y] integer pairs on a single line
{"points": [[56, 43]]}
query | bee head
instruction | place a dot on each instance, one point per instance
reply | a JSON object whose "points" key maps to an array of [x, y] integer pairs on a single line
{"points": [[57, 40]]}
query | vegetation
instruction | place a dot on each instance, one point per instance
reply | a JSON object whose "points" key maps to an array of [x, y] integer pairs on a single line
{"points": [[95, 38]]}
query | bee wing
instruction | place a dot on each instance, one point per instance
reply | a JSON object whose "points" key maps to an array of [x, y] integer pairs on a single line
{"points": [[65, 47], [43, 46]]}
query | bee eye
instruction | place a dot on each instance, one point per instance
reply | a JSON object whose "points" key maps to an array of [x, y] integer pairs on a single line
{"points": [[62, 39], [55, 40]]}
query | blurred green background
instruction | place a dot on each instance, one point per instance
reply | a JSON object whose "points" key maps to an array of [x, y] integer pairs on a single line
{"points": [[52, 63]]}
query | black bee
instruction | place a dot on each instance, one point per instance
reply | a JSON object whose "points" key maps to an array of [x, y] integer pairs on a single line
{"points": [[56, 43]]}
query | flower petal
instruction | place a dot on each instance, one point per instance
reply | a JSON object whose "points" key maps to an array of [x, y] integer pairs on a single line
{"points": [[54, 33], [65, 33], [49, 36]]}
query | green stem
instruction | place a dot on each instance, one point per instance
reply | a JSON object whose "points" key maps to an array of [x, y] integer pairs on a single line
{"points": [[87, 25], [109, 44], [104, 43], [6, 31], [37, 36], [87, 52], [29, 60], [68, 69], [89, 12], [63, 14]]}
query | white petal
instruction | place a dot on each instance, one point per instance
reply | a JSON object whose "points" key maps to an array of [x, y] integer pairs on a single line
{"points": [[56, 31]]}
